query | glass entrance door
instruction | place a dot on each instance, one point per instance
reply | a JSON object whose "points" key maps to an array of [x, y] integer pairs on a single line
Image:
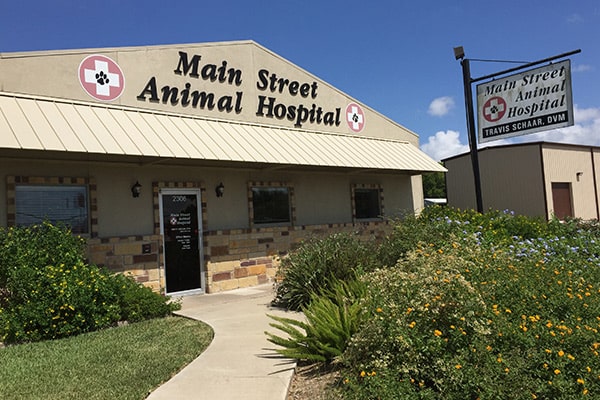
{"points": [[181, 227]]}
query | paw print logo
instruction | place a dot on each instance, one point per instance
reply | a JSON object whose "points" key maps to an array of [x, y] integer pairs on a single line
{"points": [[355, 117], [494, 109], [101, 77]]}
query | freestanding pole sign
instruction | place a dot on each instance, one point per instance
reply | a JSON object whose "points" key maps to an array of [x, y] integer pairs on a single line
{"points": [[529, 102], [532, 101]]}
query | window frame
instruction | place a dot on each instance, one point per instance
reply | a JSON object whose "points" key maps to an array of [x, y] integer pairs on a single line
{"points": [[252, 186], [90, 204], [367, 187]]}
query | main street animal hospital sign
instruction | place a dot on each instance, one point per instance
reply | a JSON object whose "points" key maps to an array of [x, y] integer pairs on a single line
{"points": [[528, 102]]}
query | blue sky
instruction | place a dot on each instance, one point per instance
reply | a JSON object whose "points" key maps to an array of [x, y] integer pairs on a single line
{"points": [[394, 56]]}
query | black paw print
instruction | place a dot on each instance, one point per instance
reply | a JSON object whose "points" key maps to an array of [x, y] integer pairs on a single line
{"points": [[494, 110], [355, 117], [101, 78]]}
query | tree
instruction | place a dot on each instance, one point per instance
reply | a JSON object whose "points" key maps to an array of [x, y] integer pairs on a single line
{"points": [[434, 185]]}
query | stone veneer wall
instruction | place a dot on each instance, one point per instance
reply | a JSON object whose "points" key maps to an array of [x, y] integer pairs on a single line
{"points": [[232, 258], [139, 256], [248, 257]]}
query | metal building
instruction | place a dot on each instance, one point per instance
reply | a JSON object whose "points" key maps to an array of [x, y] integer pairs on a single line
{"points": [[536, 179]]}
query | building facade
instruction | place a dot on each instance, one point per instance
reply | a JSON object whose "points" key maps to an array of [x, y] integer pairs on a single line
{"points": [[536, 179], [195, 167]]}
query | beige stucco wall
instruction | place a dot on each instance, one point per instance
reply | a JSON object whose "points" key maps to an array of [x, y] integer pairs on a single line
{"points": [[562, 164], [320, 197], [235, 254], [28, 73]]}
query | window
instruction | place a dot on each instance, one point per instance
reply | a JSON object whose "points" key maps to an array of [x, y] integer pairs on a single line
{"points": [[271, 205], [367, 201], [62, 204]]}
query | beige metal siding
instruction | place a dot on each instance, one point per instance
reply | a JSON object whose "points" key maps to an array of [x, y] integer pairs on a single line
{"points": [[561, 164], [513, 180], [38, 124], [460, 187]]}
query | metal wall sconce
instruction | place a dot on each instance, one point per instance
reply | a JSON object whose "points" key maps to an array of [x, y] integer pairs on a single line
{"points": [[578, 174], [136, 189], [220, 189]]}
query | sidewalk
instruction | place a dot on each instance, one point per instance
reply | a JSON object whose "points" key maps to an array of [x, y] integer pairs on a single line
{"points": [[239, 363]]}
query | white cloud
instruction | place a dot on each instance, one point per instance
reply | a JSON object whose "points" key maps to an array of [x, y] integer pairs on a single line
{"points": [[444, 144], [441, 106], [581, 68], [574, 18], [586, 129]]}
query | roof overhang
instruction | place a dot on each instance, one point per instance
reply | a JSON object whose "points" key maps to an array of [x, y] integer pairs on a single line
{"points": [[55, 129]]}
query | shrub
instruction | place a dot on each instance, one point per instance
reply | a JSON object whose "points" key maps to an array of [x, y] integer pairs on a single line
{"points": [[138, 302], [47, 291], [425, 320], [316, 263], [332, 318], [36, 245], [55, 302]]}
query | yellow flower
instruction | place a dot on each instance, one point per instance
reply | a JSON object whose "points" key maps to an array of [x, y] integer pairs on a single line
{"points": [[458, 366], [412, 324], [437, 333], [379, 309], [580, 381], [362, 374], [557, 371], [561, 353]]}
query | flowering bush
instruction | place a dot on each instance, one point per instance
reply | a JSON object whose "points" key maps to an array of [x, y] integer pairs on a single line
{"points": [[47, 291], [479, 306], [425, 320], [530, 292]]}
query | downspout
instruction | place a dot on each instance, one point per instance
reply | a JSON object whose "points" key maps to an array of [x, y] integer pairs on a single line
{"points": [[544, 191], [595, 183]]}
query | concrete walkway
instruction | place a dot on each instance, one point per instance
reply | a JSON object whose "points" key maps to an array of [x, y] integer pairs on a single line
{"points": [[239, 363]]}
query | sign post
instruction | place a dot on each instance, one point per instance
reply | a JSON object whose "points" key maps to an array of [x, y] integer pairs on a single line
{"points": [[528, 102]]}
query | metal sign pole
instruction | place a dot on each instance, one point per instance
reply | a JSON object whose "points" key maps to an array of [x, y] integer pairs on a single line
{"points": [[470, 113]]}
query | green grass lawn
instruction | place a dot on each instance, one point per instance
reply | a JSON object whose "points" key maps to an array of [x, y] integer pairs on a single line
{"points": [[118, 363]]}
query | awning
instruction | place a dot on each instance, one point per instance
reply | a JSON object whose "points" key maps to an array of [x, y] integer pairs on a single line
{"points": [[33, 123]]}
